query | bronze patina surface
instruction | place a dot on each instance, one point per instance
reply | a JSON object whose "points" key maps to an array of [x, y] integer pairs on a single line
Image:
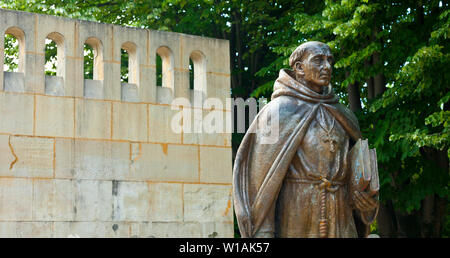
{"points": [[300, 185]]}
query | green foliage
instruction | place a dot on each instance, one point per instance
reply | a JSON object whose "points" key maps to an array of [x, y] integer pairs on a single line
{"points": [[158, 70], [50, 58], [124, 69], [11, 61], [88, 62], [412, 115], [407, 124]]}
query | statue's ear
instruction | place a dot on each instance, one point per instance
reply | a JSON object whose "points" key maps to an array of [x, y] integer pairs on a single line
{"points": [[298, 68]]}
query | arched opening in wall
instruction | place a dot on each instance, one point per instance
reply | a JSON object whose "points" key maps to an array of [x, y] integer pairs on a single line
{"points": [[159, 70], [93, 59], [54, 64], [88, 54], [14, 50], [54, 54], [93, 68], [164, 74], [51, 62], [191, 74], [129, 72], [14, 60], [123, 65], [128, 63], [197, 62]]}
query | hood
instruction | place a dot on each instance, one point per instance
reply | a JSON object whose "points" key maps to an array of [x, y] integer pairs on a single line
{"points": [[286, 85]]}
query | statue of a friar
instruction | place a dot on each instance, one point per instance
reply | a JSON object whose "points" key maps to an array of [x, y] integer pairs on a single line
{"points": [[318, 178]]}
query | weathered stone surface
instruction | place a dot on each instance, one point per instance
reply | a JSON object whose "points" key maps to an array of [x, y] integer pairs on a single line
{"points": [[55, 116], [97, 229], [93, 89], [166, 202], [164, 162], [54, 85], [183, 229], [43, 200], [160, 130], [91, 159], [63, 204], [130, 92], [16, 199], [26, 229], [131, 201], [92, 119], [98, 158], [14, 81], [207, 203], [215, 164], [93, 200], [26, 156], [130, 121], [16, 113], [205, 130]]}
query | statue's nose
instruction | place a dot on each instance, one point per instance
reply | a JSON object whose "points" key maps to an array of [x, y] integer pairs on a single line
{"points": [[326, 65]]}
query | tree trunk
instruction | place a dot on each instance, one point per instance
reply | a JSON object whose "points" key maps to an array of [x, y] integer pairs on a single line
{"points": [[354, 97], [379, 79], [386, 220], [237, 24], [369, 80]]}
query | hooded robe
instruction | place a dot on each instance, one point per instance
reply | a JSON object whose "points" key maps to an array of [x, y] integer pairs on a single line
{"points": [[276, 186]]}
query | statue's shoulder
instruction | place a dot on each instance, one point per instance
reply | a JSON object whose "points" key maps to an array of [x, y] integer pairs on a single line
{"points": [[286, 105], [348, 113]]}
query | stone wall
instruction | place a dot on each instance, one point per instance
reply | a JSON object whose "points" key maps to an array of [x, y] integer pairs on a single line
{"points": [[98, 158]]}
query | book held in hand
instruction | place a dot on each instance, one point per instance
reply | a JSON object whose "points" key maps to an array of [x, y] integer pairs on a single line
{"points": [[364, 168]]}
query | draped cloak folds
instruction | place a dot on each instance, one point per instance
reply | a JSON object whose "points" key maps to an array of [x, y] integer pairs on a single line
{"points": [[260, 168]]}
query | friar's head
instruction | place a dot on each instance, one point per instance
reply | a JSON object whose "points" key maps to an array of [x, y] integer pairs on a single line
{"points": [[312, 63]]}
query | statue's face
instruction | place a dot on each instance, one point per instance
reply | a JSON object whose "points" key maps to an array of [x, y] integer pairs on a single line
{"points": [[317, 65]]}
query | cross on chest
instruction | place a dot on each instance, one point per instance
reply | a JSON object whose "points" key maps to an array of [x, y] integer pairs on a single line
{"points": [[328, 139]]}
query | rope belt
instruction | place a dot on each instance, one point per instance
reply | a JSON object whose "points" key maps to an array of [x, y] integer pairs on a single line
{"points": [[325, 186]]}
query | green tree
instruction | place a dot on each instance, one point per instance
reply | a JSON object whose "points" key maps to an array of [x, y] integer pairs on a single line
{"points": [[391, 61]]}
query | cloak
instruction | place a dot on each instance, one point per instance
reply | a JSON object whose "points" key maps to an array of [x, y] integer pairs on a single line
{"points": [[260, 168]]}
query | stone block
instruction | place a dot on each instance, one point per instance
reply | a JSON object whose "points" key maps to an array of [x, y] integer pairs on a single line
{"points": [[26, 156], [91, 159], [93, 200], [164, 95], [160, 128], [92, 119], [130, 92], [14, 81], [186, 229], [207, 203], [16, 199], [16, 113], [92, 229], [215, 165], [164, 162], [166, 202], [55, 116], [130, 201], [207, 128], [43, 199], [54, 85], [130, 121], [26, 230], [54, 200], [63, 203], [93, 89]]}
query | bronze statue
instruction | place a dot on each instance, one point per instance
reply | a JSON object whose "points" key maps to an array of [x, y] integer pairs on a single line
{"points": [[301, 185]]}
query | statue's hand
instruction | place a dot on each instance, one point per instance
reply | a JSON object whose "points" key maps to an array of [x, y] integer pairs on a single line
{"points": [[364, 202]]}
